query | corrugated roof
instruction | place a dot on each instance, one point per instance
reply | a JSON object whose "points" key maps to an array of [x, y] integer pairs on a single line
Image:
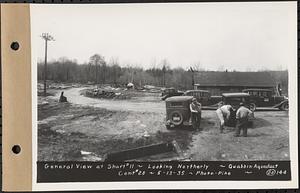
{"points": [[255, 79]]}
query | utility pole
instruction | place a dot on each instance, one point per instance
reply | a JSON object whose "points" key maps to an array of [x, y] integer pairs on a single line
{"points": [[47, 38]]}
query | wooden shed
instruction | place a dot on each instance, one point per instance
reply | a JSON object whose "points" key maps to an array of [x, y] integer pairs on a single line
{"points": [[222, 82]]}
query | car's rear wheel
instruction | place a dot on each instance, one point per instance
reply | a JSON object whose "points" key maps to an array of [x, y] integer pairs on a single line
{"points": [[252, 107], [284, 106], [176, 118]]}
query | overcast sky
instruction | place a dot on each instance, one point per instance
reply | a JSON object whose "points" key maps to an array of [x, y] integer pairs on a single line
{"points": [[218, 36]]}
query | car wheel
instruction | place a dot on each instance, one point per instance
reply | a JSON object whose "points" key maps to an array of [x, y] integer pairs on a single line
{"points": [[252, 107], [284, 106], [164, 97], [176, 118], [168, 127]]}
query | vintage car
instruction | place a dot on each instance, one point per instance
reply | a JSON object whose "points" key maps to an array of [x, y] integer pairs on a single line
{"points": [[178, 111], [204, 97], [234, 99], [265, 98], [169, 92]]}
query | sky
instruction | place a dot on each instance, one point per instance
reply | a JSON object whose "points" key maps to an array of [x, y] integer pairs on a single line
{"points": [[213, 36]]}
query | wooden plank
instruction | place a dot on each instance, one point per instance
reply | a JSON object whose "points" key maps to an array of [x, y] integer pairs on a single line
{"points": [[140, 152]]}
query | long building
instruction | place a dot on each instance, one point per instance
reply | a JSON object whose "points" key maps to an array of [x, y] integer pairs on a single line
{"points": [[224, 82]]}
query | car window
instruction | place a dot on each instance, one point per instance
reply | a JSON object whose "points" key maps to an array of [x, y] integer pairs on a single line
{"points": [[176, 104], [236, 100]]}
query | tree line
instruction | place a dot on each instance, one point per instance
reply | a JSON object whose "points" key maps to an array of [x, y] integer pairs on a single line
{"points": [[100, 71]]}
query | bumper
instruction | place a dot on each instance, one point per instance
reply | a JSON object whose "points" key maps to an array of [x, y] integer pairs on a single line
{"points": [[185, 123]]}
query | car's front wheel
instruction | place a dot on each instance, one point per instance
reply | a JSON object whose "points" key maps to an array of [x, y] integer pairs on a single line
{"points": [[252, 107], [284, 106]]}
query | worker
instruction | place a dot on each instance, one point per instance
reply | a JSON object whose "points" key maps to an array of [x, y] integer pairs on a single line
{"points": [[242, 116], [62, 98], [195, 108], [223, 113]]}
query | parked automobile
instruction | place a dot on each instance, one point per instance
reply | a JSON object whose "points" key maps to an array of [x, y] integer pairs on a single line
{"points": [[169, 92], [204, 97], [265, 98], [234, 99], [178, 112]]}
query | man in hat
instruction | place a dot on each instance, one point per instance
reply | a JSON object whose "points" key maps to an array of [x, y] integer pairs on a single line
{"points": [[195, 108], [223, 113], [242, 115]]}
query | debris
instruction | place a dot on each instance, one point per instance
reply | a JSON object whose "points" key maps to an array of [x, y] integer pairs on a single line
{"points": [[143, 151], [146, 134], [60, 131], [130, 85], [85, 152], [280, 146]]}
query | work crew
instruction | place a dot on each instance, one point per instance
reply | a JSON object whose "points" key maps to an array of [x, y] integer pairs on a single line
{"points": [[195, 108], [62, 98], [223, 113], [242, 116]]}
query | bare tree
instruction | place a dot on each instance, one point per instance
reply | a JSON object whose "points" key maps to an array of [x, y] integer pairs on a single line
{"points": [[97, 60]]}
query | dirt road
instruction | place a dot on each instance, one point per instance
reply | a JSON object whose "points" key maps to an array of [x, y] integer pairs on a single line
{"points": [[138, 105], [88, 128]]}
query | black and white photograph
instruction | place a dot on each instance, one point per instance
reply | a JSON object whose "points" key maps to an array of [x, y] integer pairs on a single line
{"points": [[164, 82]]}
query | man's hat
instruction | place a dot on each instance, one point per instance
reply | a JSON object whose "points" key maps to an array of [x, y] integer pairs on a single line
{"points": [[241, 104], [194, 99]]}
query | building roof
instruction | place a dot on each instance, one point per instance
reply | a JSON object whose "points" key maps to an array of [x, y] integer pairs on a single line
{"points": [[257, 89], [239, 94], [249, 79], [179, 98], [206, 91]]}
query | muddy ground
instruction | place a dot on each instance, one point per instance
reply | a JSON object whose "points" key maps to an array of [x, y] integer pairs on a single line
{"points": [[88, 129]]}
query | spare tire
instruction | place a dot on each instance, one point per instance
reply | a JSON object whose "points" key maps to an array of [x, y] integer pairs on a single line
{"points": [[176, 118]]}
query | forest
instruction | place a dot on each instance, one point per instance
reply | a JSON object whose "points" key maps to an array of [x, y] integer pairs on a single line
{"points": [[100, 71]]}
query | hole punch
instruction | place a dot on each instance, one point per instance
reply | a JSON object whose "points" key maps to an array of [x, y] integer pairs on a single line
{"points": [[15, 46], [16, 149]]}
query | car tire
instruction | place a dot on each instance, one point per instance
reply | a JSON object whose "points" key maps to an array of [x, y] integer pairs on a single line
{"points": [[164, 97], [169, 127], [284, 106], [178, 114], [252, 107]]}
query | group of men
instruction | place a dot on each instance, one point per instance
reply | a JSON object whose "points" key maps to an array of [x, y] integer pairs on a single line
{"points": [[242, 115], [224, 113]]}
